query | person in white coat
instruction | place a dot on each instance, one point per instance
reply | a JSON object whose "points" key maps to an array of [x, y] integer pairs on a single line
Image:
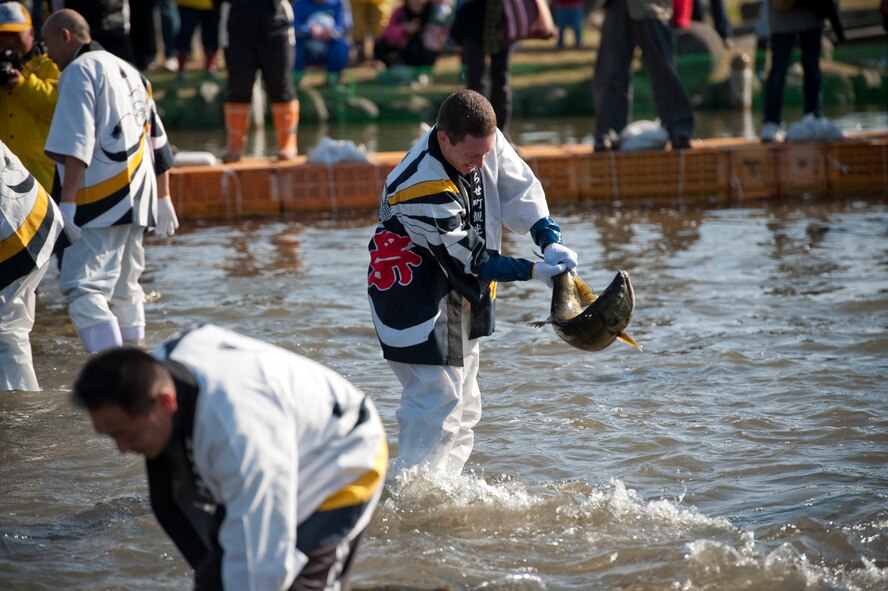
{"points": [[31, 228], [113, 160], [434, 265], [264, 467]]}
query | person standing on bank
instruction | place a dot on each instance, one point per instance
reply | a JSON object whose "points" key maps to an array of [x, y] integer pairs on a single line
{"points": [[434, 264], [627, 24], [28, 92], [264, 467], [30, 230], [258, 36], [477, 29], [113, 160], [792, 23]]}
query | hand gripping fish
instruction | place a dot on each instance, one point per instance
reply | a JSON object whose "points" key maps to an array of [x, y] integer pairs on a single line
{"points": [[587, 321]]}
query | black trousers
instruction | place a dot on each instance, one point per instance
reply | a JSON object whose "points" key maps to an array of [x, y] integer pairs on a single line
{"points": [[782, 45], [259, 43], [612, 80], [324, 561], [475, 61]]}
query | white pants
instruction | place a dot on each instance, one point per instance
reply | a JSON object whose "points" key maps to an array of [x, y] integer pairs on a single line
{"points": [[100, 279], [17, 302], [440, 406]]}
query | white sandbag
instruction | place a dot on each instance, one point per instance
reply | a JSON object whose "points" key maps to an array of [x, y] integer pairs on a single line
{"points": [[805, 130], [643, 135], [194, 159], [329, 151], [827, 130]]}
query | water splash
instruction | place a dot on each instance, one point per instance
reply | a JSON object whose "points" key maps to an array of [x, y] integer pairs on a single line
{"points": [[713, 563]]}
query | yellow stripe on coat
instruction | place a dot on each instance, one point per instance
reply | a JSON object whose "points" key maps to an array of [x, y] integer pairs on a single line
{"points": [[14, 243], [361, 490], [423, 189], [88, 195]]}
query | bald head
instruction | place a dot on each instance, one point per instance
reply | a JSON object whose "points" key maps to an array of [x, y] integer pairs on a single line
{"points": [[64, 33], [67, 19]]}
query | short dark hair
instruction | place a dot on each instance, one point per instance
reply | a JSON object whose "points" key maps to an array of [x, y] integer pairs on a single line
{"points": [[125, 376], [466, 112]]}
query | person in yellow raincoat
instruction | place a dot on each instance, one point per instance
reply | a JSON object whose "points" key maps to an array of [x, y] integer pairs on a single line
{"points": [[29, 82]]}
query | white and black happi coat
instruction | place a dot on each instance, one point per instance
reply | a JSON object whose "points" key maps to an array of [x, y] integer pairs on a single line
{"points": [[437, 245]]}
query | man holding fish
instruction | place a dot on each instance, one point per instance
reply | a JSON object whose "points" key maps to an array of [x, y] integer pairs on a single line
{"points": [[434, 264]]}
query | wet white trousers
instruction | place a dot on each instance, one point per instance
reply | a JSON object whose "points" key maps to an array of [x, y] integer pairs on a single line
{"points": [[100, 279], [17, 302], [440, 406]]}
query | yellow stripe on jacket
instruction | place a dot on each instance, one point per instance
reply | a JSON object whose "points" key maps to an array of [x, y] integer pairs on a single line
{"points": [[88, 195], [361, 490], [14, 243], [198, 4], [423, 189]]}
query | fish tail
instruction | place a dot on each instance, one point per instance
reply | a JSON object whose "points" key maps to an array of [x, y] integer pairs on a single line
{"points": [[628, 340]]}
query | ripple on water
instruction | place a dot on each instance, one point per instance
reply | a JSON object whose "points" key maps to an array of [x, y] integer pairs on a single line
{"points": [[744, 449]]}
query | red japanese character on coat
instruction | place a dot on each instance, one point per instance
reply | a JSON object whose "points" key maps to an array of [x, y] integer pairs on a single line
{"points": [[391, 260]]}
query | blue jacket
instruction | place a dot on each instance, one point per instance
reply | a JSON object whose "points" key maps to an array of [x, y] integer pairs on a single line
{"points": [[340, 10]]}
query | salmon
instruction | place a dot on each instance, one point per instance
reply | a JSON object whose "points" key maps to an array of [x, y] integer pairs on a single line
{"points": [[590, 322]]}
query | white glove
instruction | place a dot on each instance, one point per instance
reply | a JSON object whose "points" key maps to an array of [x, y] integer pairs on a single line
{"points": [[558, 253], [71, 229], [545, 272], [167, 222]]}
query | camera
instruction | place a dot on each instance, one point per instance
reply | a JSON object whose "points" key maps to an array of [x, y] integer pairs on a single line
{"points": [[9, 61]]}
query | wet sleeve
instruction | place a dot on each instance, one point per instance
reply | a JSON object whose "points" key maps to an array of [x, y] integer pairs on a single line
{"points": [[503, 268], [545, 232]]}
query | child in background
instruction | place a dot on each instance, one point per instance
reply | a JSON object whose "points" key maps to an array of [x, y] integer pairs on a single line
{"points": [[568, 14], [322, 31], [403, 41]]}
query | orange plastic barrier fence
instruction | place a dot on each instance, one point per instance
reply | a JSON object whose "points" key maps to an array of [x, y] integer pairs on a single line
{"points": [[713, 171]]}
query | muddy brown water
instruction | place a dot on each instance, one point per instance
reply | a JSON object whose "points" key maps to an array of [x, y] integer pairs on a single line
{"points": [[744, 449]]}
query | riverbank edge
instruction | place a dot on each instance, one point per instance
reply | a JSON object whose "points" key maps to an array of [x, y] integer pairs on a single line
{"points": [[713, 172], [545, 83]]}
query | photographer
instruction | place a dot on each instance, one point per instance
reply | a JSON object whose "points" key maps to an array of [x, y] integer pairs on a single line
{"points": [[28, 91]]}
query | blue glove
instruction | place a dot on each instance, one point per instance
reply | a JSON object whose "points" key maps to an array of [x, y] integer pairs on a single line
{"points": [[558, 253], [545, 272]]}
